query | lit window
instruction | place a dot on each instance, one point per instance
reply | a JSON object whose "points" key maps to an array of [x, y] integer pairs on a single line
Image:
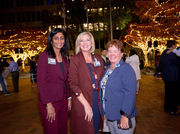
{"points": [[59, 26], [94, 10], [105, 27], [85, 25], [105, 10], [96, 27], [101, 26], [90, 27], [100, 11]]}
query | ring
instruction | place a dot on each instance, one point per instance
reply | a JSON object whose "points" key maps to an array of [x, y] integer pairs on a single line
{"points": [[125, 126]]}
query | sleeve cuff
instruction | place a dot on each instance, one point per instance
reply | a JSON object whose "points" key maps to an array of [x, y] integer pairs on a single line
{"points": [[124, 114]]}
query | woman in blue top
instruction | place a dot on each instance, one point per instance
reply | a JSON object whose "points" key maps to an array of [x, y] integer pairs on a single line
{"points": [[118, 91]]}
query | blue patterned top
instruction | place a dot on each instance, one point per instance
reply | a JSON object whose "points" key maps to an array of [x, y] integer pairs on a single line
{"points": [[104, 81], [93, 74]]}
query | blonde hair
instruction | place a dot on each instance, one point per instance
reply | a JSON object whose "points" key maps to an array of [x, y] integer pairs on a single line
{"points": [[77, 48]]}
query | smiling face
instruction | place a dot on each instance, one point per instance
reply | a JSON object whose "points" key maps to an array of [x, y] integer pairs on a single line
{"points": [[58, 41], [114, 54], [85, 43]]}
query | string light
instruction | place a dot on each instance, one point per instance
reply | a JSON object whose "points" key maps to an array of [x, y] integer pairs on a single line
{"points": [[166, 28], [32, 42]]}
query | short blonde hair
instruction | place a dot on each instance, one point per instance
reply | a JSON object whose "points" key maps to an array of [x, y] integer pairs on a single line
{"points": [[77, 48]]}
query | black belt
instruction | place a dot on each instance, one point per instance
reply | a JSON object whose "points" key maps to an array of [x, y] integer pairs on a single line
{"points": [[111, 120]]}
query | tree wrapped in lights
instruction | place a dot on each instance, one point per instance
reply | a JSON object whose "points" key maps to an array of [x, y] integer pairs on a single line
{"points": [[160, 21], [22, 43]]}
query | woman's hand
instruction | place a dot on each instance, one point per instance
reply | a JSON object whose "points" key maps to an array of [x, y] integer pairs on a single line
{"points": [[51, 115], [169, 51], [87, 107], [88, 112], [124, 122]]}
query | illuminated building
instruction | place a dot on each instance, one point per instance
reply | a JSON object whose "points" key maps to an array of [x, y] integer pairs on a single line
{"points": [[47, 14]]}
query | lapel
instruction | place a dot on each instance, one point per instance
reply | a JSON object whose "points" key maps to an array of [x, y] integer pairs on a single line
{"points": [[98, 68], [106, 71], [83, 65], [115, 72], [60, 73], [65, 68]]}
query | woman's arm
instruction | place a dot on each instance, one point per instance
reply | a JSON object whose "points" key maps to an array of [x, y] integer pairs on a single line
{"points": [[74, 76], [74, 85], [42, 78], [129, 90], [42, 86], [87, 107]]}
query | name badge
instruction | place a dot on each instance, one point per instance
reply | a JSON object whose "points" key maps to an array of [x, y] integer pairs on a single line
{"points": [[96, 62], [51, 61]]}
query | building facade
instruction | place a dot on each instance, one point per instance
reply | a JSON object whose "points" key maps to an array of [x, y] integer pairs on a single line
{"points": [[73, 15]]}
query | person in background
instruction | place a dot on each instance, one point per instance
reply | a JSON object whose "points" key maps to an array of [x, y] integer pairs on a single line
{"points": [[133, 61], [105, 58], [157, 58], [118, 91], [33, 70], [106, 62], [2, 81], [176, 51], [85, 72], [52, 83], [169, 66], [14, 69]]}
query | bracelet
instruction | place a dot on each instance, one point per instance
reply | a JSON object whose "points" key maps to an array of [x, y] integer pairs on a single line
{"points": [[49, 107]]}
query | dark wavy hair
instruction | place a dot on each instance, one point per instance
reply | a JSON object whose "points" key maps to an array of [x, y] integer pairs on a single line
{"points": [[132, 52], [64, 49]]}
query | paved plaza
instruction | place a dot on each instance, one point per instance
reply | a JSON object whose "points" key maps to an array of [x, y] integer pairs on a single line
{"points": [[19, 112]]}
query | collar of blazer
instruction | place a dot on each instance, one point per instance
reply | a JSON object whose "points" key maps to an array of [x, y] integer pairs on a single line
{"points": [[114, 71], [83, 65], [65, 68], [60, 73]]}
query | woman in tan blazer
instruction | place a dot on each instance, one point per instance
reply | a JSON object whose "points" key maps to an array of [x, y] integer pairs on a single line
{"points": [[85, 72]]}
